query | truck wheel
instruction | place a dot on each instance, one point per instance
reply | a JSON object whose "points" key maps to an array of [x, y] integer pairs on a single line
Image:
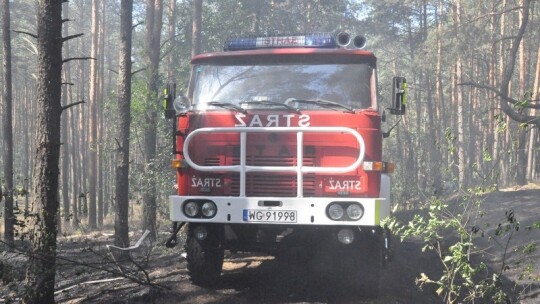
{"points": [[204, 257]]}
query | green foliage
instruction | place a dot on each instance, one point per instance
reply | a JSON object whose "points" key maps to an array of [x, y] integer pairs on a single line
{"points": [[445, 232], [487, 156]]}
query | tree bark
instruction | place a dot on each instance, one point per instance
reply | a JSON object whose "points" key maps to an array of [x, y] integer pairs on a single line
{"points": [[66, 143], [40, 274], [459, 99], [196, 28], [154, 22], [533, 138], [93, 120], [171, 66], [101, 135], [121, 227], [7, 126]]}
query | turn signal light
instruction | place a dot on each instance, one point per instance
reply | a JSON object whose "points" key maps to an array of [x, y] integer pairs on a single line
{"points": [[378, 166], [176, 163]]}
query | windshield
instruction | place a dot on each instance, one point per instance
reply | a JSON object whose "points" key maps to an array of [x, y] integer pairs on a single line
{"points": [[262, 86]]}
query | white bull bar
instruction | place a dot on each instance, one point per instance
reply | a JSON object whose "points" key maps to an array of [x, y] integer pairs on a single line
{"points": [[300, 169], [311, 210]]}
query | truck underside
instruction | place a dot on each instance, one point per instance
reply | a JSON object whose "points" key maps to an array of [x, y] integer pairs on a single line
{"points": [[360, 262]]}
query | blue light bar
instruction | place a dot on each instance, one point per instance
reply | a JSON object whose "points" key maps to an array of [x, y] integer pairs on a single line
{"points": [[311, 41]]}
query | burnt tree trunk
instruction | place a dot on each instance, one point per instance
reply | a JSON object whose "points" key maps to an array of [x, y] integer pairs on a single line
{"points": [[40, 275]]}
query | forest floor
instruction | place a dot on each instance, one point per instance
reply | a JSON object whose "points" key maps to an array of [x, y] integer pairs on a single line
{"points": [[86, 273]]}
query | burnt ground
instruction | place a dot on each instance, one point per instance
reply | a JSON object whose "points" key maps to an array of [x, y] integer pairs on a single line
{"points": [[255, 278]]}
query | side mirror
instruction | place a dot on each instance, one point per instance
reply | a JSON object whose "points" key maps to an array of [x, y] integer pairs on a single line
{"points": [[175, 106], [399, 95], [168, 101]]}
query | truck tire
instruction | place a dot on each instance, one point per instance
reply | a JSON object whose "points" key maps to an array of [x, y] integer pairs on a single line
{"points": [[204, 258]]}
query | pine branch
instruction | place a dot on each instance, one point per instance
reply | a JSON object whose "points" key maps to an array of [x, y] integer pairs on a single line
{"points": [[78, 58], [499, 94], [72, 104], [137, 24], [27, 33], [137, 71], [119, 145], [71, 37]]}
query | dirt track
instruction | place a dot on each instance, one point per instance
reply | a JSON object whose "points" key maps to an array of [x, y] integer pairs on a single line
{"points": [[263, 279], [260, 279]]}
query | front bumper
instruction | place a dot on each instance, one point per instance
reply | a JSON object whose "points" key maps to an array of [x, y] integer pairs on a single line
{"points": [[309, 210]]}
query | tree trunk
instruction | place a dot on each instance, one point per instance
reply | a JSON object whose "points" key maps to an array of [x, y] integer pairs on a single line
{"points": [[459, 99], [531, 171], [81, 134], [93, 120], [171, 66], [521, 172], [40, 274], [101, 135], [154, 22], [196, 28], [66, 142], [121, 227], [26, 150], [7, 126], [441, 105], [434, 155]]}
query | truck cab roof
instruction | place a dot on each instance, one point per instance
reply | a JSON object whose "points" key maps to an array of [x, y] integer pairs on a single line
{"points": [[286, 55]]}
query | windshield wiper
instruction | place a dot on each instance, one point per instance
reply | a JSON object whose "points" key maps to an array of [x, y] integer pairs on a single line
{"points": [[323, 103], [273, 103], [228, 106]]}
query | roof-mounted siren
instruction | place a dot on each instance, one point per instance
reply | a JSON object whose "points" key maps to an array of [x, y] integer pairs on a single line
{"points": [[343, 39], [359, 42]]}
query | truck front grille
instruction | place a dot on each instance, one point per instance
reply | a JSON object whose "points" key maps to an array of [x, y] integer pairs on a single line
{"points": [[280, 161], [264, 184], [273, 184]]}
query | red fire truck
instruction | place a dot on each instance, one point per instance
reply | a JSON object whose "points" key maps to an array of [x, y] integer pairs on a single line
{"points": [[279, 145]]}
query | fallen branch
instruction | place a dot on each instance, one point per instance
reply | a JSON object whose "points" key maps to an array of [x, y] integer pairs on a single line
{"points": [[88, 282], [139, 242]]}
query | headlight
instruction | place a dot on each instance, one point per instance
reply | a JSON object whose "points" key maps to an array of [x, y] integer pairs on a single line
{"points": [[355, 212], [346, 236], [335, 212], [181, 104], [191, 209], [209, 209]]}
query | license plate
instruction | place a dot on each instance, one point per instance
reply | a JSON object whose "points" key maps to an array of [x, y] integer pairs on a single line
{"points": [[270, 216]]}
